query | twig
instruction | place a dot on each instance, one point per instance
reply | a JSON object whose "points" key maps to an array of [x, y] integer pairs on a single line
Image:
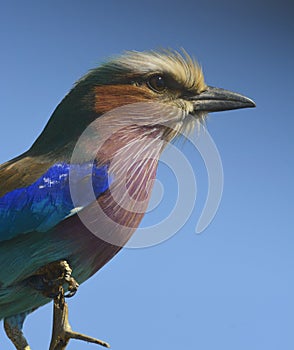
{"points": [[62, 332]]}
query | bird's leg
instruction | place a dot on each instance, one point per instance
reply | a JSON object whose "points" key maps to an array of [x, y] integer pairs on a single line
{"points": [[13, 328], [62, 332], [50, 280], [50, 277]]}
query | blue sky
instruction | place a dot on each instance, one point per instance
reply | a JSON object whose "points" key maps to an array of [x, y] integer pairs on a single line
{"points": [[230, 287]]}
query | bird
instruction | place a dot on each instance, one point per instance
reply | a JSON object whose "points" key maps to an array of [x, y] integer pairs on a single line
{"points": [[72, 200]]}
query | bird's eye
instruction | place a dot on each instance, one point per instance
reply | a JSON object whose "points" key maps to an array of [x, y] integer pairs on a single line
{"points": [[156, 83]]}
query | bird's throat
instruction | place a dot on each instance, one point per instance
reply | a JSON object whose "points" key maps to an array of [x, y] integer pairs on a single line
{"points": [[132, 156]]}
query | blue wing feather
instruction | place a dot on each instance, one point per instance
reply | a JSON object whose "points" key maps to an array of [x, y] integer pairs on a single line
{"points": [[47, 201]]}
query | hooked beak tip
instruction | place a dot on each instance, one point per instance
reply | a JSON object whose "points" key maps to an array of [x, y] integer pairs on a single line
{"points": [[216, 99]]}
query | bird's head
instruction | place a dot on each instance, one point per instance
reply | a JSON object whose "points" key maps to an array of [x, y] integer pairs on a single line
{"points": [[122, 115], [171, 81]]}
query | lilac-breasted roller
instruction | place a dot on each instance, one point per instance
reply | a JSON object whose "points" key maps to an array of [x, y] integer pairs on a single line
{"points": [[69, 203]]}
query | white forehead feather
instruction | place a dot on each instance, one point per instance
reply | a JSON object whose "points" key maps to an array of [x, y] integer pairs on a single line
{"points": [[182, 67]]}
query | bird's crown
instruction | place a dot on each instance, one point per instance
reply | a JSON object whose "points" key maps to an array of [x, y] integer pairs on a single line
{"points": [[133, 67]]}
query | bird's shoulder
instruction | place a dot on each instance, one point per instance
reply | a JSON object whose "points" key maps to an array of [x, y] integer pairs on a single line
{"points": [[36, 195], [21, 172]]}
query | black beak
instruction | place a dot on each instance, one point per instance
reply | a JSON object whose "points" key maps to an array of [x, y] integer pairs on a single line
{"points": [[215, 100]]}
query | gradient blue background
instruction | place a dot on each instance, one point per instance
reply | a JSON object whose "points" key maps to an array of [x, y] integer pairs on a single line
{"points": [[230, 287]]}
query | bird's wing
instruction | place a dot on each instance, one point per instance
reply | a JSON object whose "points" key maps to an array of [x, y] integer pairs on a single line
{"points": [[39, 200]]}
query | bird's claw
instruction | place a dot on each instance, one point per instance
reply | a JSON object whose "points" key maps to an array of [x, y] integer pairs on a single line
{"points": [[72, 289], [50, 278]]}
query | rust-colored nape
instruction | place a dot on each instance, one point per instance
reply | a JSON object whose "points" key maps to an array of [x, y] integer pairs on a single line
{"points": [[108, 97]]}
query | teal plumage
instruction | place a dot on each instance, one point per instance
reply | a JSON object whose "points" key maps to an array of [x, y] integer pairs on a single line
{"points": [[131, 107]]}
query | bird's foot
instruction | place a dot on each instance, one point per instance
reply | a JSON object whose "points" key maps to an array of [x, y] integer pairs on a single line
{"points": [[62, 332], [49, 278]]}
